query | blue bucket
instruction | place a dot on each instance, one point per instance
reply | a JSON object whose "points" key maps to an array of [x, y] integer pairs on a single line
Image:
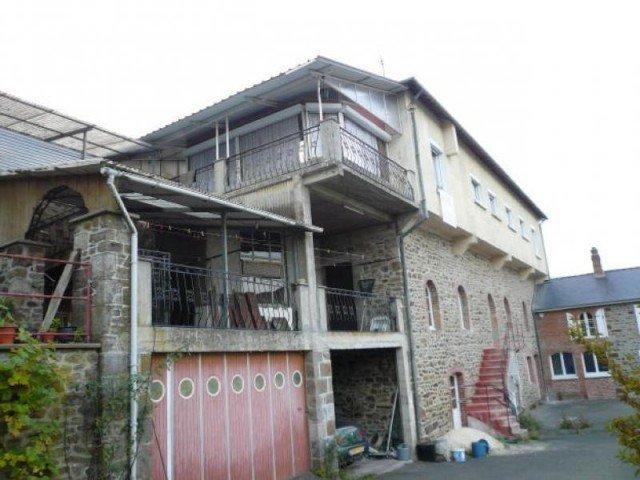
{"points": [[458, 455], [480, 448]]}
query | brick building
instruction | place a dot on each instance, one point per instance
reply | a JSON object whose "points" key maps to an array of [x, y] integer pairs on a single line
{"points": [[602, 304], [321, 244]]}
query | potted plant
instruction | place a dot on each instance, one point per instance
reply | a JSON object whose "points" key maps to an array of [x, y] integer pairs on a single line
{"points": [[67, 333], [50, 335], [7, 322]]}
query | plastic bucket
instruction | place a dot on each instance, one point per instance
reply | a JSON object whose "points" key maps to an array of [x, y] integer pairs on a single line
{"points": [[403, 452], [479, 449], [458, 455]]}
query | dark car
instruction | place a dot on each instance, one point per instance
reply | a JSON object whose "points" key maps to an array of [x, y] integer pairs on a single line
{"points": [[352, 444]]}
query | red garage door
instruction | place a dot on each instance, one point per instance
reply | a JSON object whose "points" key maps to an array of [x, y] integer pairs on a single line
{"points": [[229, 416]]}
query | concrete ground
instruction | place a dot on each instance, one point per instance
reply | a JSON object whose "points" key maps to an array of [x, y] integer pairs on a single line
{"points": [[559, 454]]}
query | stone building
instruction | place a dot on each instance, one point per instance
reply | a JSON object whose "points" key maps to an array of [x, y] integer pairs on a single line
{"points": [[602, 304], [328, 247]]}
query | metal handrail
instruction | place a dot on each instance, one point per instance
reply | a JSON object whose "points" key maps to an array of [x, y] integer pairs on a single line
{"points": [[265, 170], [84, 297], [375, 165], [349, 310], [188, 296]]}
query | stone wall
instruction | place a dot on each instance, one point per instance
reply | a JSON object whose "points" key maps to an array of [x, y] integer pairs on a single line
{"points": [[450, 348], [76, 452], [24, 276], [364, 386]]}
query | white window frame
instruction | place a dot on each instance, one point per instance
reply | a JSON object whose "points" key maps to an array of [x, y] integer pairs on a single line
{"points": [[535, 239], [439, 166], [599, 321], [493, 204], [462, 310], [564, 376], [598, 373], [523, 228], [476, 187], [636, 310], [509, 215]]}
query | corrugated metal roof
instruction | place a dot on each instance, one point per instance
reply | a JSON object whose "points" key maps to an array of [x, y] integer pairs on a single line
{"points": [[50, 126], [617, 286], [21, 152], [290, 78]]}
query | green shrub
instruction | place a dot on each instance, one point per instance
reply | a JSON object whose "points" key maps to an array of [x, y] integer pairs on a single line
{"points": [[31, 388]]}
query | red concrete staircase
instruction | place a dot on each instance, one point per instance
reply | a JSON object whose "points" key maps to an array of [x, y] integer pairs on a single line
{"points": [[489, 402]]}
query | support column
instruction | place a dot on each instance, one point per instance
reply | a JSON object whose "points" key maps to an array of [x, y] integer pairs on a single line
{"points": [[320, 406], [104, 241]]}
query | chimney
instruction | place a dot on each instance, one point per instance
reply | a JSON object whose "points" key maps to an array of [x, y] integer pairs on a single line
{"points": [[597, 265]]}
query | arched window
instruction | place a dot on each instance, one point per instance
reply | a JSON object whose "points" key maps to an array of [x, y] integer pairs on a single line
{"points": [[463, 305], [433, 306], [507, 312], [494, 320], [525, 316]]}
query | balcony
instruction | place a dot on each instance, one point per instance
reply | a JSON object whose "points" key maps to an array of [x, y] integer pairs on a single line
{"points": [[327, 156], [187, 296], [351, 311]]}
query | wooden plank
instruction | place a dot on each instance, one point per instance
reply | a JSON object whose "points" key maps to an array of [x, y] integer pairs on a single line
{"points": [[258, 320], [63, 282], [243, 310]]}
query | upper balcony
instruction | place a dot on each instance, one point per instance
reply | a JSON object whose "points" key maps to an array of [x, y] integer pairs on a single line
{"points": [[328, 157]]}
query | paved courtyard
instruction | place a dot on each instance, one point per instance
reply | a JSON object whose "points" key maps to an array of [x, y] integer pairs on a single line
{"points": [[559, 454]]}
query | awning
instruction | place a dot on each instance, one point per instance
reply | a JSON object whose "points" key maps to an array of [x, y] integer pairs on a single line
{"points": [[158, 200], [54, 127]]}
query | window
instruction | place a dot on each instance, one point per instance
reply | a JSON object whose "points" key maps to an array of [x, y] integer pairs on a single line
{"points": [[525, 316], [477, 191], [493, 204], [589, 326], [439, 167], [433, 306], [463, 306], [530, 370], [536, 242], [636, 309], [562, 366], [523, 229], [509, 214], [593, 367]]}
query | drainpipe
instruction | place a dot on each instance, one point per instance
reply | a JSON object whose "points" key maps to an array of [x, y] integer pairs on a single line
{"points": [[133, 348], [416, 148], [405, 278]]}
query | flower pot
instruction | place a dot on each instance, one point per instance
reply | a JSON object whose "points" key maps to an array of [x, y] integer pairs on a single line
{"points": [[47, 337], [66, 334], [7, 334]]}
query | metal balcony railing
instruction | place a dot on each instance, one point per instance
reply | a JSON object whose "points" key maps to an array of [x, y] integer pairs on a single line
{"points": [[373, 164], [299, 150], [189, 296], [348, 310]]}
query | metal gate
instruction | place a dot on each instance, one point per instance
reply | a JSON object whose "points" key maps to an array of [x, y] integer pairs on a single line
{"points": [[229, 416]]}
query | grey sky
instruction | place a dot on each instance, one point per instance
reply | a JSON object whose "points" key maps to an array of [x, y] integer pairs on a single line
{"points": [[550, 89]]}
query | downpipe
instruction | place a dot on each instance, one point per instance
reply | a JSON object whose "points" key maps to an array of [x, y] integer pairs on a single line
{"points": [[133, 348]]}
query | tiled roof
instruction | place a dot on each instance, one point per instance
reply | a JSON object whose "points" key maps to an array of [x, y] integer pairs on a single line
{"points": [[617, 286]]}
